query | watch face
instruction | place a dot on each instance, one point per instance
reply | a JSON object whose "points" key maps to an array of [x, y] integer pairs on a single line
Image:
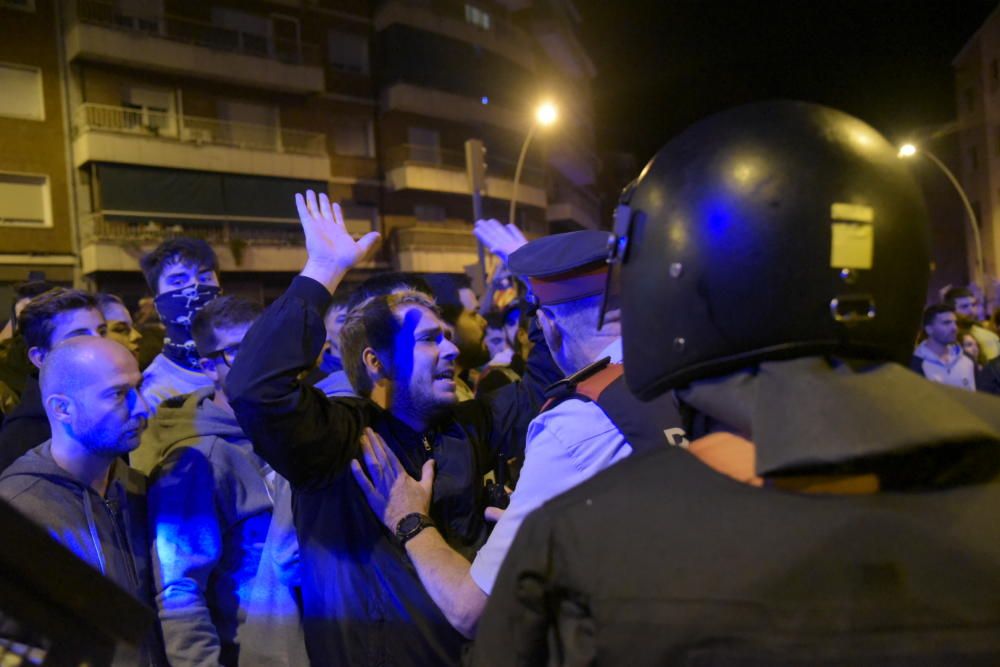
{"points": [[411, 522]]}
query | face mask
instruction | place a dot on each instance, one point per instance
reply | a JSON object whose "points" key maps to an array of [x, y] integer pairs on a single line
{"points": [[177, 308]]}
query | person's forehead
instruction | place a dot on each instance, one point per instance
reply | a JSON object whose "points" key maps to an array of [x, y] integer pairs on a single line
{"points": [[179, 265], [231, 335], [78, 318], [426, 318], [116, 312]]}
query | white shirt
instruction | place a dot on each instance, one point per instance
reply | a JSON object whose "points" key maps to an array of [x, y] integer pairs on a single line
{"points": [[565, 446]]}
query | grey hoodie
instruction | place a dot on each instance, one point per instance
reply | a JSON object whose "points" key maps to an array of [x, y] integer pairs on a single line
{"points": [[210, 505], [109, 532]]}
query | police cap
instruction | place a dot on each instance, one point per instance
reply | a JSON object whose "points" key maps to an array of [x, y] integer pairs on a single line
{"points": [[563, 267]]}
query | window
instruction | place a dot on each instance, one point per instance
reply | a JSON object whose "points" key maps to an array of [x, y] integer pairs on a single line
{"points": [[347, 52], [477, 17], [425, 145], [24, 200], [150, 109], [353, 137], [429, 212], [22, 92], [22, 5]]}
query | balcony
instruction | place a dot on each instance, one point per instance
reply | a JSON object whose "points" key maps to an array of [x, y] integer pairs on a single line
{"points": [[437, 170], [104, 133], [434, 249], [503, 38], [421, 101], [580, 206], [115, 241], [175, 45]]}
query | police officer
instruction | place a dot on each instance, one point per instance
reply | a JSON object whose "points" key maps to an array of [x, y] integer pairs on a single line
{"points": [[796, 247], [575, 436]]}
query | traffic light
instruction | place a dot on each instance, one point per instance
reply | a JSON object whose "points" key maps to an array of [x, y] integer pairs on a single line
{"points": [[475, 165]]}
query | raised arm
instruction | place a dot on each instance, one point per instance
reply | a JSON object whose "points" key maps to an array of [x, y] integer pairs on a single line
{"points": [[294, 427]]}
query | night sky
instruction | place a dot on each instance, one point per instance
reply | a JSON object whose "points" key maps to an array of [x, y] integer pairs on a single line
{"points": [[664, 64]]}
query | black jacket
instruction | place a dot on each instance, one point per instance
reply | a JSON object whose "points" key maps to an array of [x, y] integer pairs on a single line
{"points": [[363, 601], [661, 560], [25, 427]]}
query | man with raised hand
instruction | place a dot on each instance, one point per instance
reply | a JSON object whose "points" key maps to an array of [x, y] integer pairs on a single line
{"points": [[363, 603], [588, 424]]}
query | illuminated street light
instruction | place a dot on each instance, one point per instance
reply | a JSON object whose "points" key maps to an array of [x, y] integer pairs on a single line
{"points": [[909, 150], [546, 114]]}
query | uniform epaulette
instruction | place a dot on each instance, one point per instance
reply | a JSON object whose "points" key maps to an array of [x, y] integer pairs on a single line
{"points": [[568, 384]]}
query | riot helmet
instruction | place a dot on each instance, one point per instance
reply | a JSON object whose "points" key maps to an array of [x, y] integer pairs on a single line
{"points": [[770, 231]]}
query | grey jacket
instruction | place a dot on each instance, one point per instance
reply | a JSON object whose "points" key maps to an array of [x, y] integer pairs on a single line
{"points": [[109, 532]]}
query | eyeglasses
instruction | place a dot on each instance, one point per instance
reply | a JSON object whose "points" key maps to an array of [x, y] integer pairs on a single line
{"points": [[227, 354]]}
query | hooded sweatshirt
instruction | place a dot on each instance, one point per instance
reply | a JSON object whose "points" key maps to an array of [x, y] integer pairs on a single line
{"points": [[210, 504], [958, 371], [108, 532]]}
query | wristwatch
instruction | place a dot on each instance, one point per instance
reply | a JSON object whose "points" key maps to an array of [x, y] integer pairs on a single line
{"points": [[411, 525]]}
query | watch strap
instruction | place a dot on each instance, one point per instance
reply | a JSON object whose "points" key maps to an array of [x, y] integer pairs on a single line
{"points": [[410, 526]]}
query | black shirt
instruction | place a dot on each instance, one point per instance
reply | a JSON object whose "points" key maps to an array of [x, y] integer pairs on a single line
{"points": [[363, 601]]}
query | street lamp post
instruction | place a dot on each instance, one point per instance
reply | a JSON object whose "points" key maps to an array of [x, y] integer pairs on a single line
{"points": [[909, 150], [545, 115]]}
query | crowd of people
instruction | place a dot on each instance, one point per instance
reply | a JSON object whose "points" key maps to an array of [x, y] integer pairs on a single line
{"points": [[400, 471]]}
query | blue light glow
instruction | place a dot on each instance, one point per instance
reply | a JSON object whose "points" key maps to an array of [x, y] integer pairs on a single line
{"points": [[485, 100]]}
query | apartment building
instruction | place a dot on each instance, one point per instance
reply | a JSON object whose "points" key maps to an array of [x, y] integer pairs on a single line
{"points": [[977, 87], [36, 217], [181, 117]]}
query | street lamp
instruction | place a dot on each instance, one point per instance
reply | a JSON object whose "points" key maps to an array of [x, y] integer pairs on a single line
{"points": [[546, 114], [909, 150]]}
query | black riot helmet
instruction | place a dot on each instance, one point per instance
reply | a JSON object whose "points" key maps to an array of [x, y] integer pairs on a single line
{"points": [[770, 231]]}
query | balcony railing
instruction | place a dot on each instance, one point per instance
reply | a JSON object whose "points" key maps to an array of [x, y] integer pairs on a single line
{"points": [[102, 227], [198, 33], [196, 130], [433, 156]]}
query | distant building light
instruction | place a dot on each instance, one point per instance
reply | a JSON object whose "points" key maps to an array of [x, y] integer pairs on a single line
{"points": [[485, 100]]}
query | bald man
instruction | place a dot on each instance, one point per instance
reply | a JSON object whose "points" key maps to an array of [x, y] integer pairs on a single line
{"points": [[76, 484]]}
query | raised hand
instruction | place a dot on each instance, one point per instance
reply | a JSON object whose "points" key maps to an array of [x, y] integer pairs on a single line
{"points": [[330, 248], [389, 489], [499, 238]]}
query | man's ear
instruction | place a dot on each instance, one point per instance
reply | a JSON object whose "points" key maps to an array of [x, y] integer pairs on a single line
{"points": [[550, 329], [60, 408], [373, 365], [37, 355]]}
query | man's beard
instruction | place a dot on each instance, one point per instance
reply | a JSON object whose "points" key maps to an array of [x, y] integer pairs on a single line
{"points": [[103, 440]]}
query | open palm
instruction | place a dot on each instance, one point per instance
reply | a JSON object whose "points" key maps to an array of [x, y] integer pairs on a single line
{"points": [[328, 243]]}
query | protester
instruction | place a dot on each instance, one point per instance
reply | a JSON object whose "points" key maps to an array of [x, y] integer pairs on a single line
{"points": [[505, 365], [574, 437], [939, 357], [46, 321], [965, 305], [210, 501], [459, 308], [119, 321], [773, 262], [15, 367], [363, 603], [182, 273], [76, 484], [336, 382]]}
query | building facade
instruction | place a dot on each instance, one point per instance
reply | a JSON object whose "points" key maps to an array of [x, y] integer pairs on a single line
{"points": [[138, 120], [977, 88]]}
